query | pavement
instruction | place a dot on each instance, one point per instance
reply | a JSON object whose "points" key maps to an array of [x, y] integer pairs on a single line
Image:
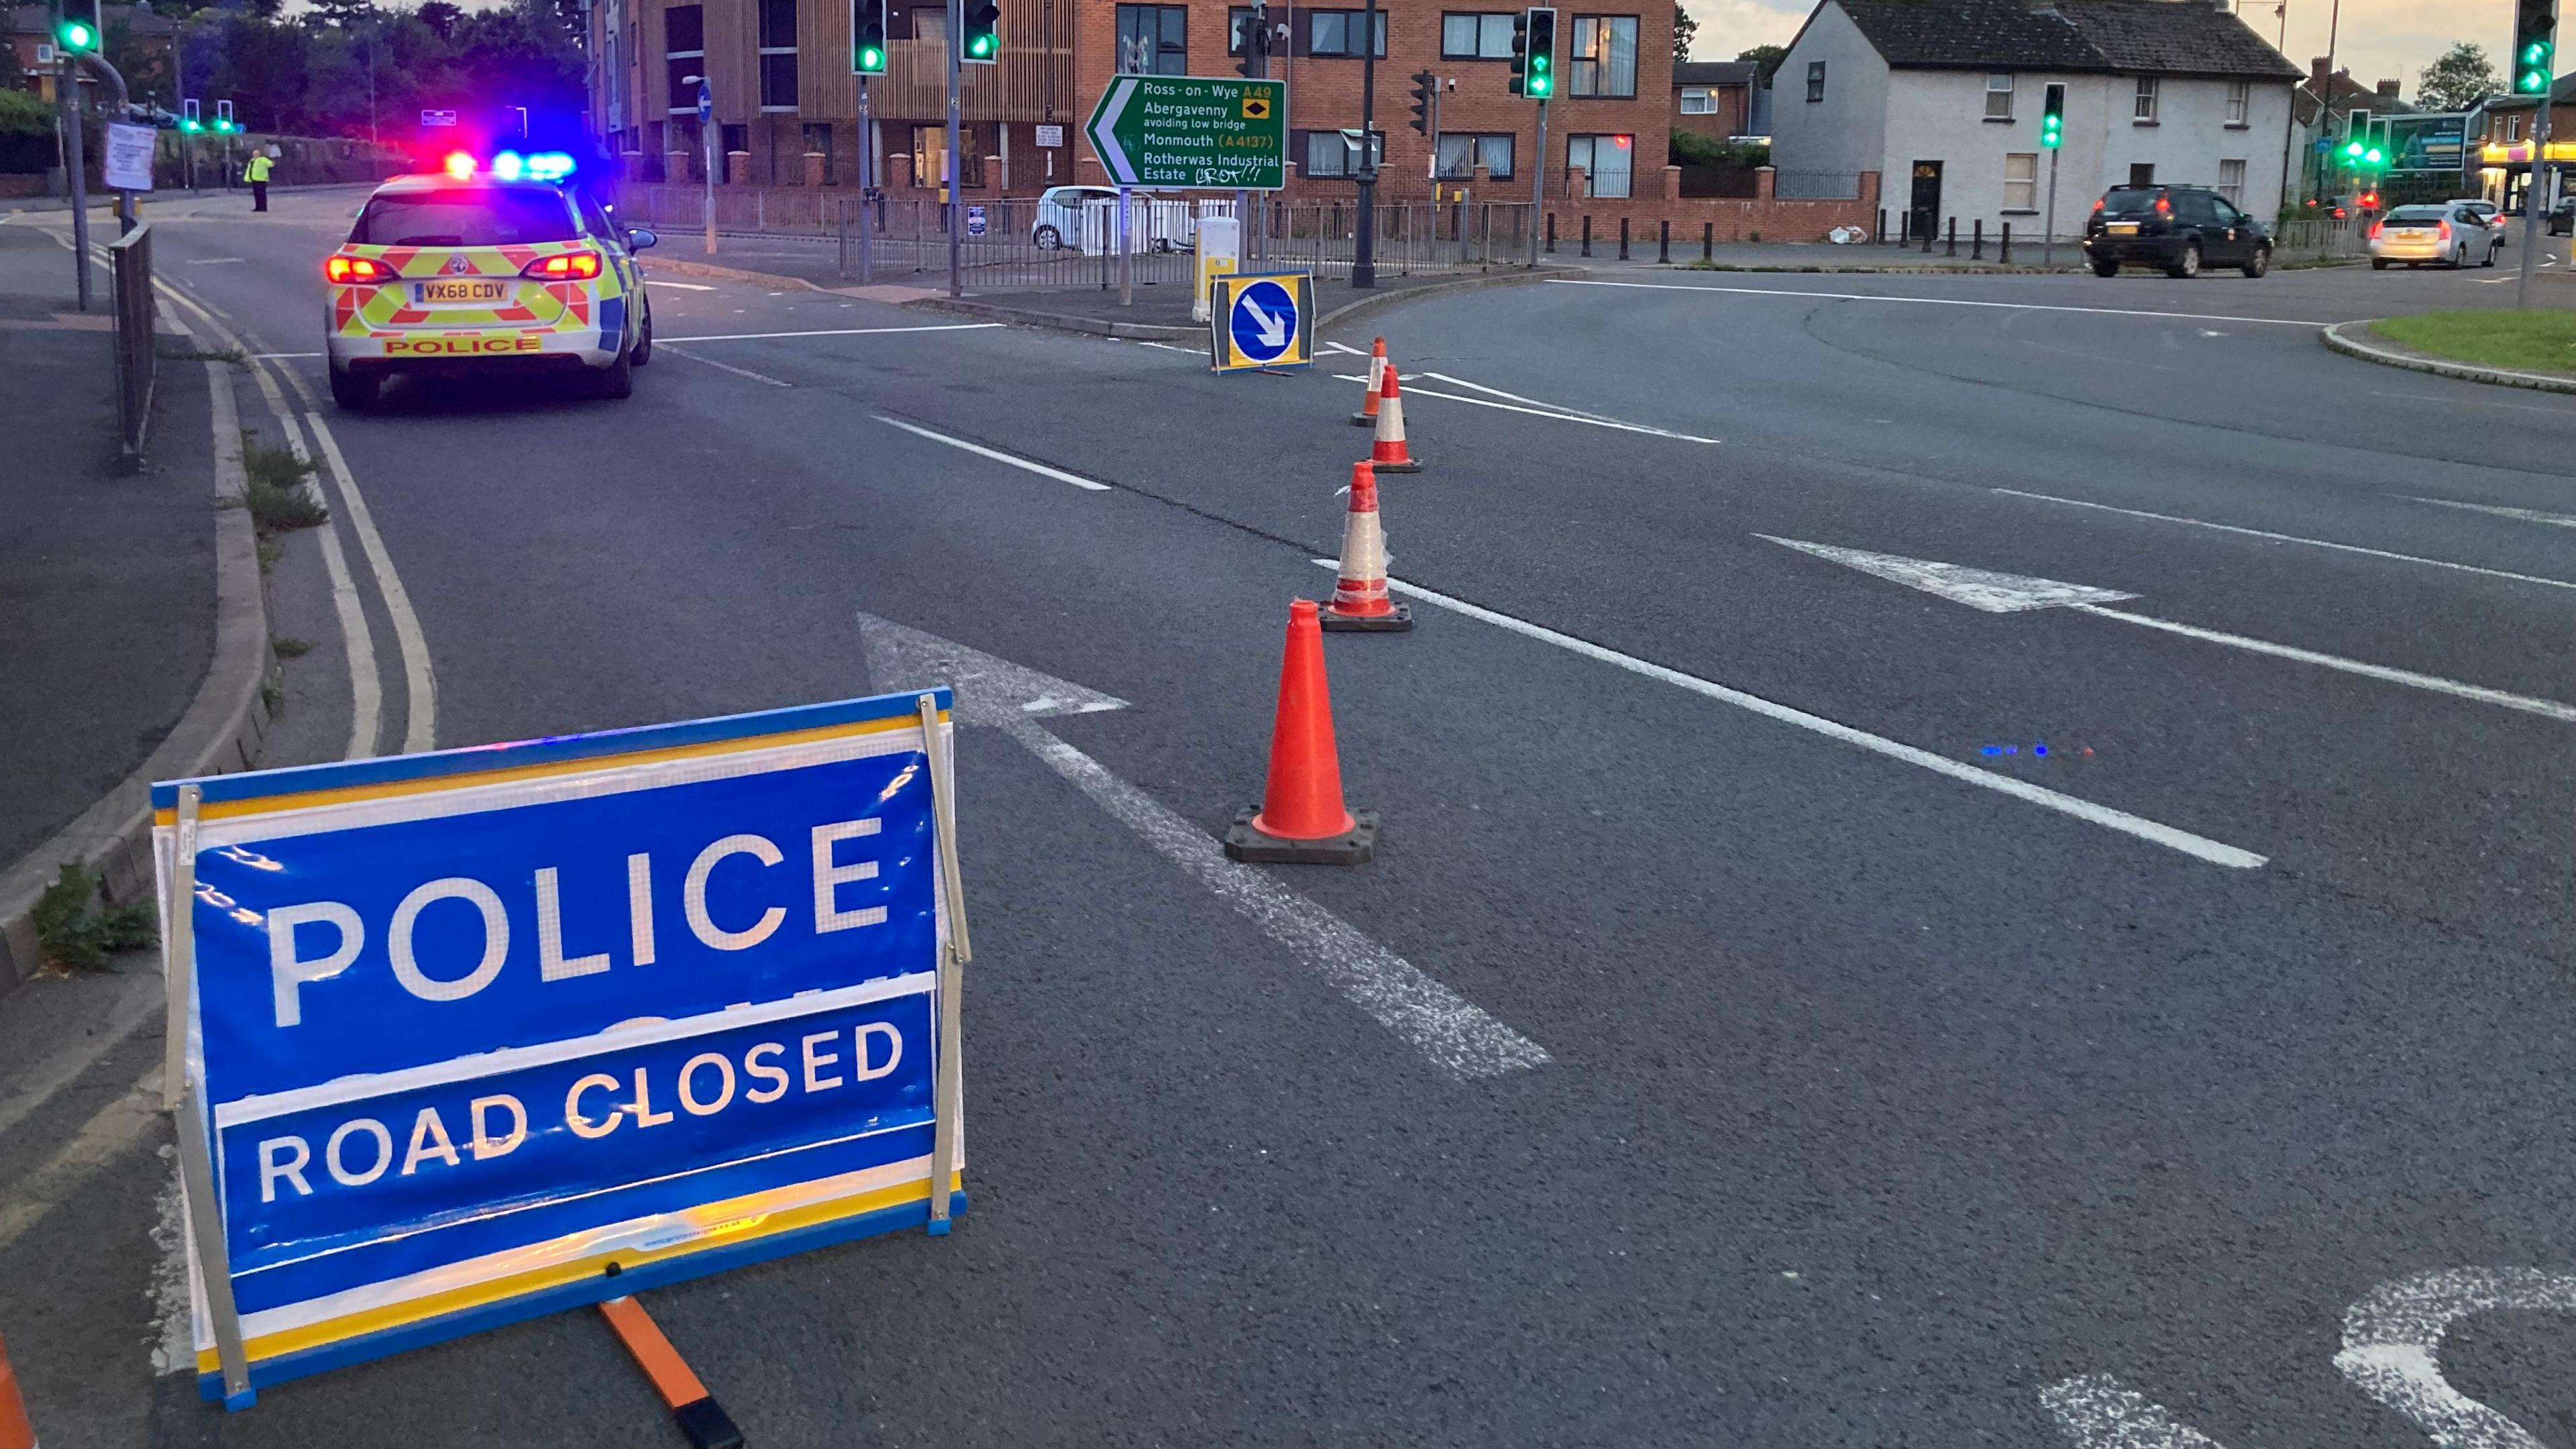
{"points": [[2191, 1083], [107, 582]]}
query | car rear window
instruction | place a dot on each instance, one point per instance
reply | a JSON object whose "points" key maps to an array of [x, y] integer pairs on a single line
{"points": [[479, 216], [2420, 215], [2129, 201]]}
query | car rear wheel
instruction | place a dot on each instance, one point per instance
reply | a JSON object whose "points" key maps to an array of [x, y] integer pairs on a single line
{"points": [[2491, 251], [2106, 269], [642, 352], [2379, 264], [616, 380], [354, 392], [2259, 263], [2189, 266], [1047, 238]]}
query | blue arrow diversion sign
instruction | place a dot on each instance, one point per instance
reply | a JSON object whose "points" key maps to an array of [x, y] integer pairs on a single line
{"points": [[1262, 319]]}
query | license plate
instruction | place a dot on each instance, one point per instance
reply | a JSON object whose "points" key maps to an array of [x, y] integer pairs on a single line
{"points": [[459, 291], [2122, 228]]}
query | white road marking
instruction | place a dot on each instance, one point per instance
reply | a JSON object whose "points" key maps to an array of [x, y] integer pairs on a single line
{"points": [[2527, 515], [652, 281], [1167, 347], [837, 332], [2476, 402], [1514, 397], [979, 450], [2000, 593], [2293, 538], [174, 1349], [1346, 347], [1551, 413], [2196, 846], [2392, 1344], [282, 356], [1940, 302], [678, 351], [366, 686], [2096, 1412], [1444, 1026], [212, 261]]}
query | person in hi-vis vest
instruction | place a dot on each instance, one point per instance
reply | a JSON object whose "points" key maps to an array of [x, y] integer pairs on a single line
{"points": [[255, 171]]}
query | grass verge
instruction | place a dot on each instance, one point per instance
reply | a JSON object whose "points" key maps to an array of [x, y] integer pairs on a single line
{"points": [[280, 497], [2540, 340], [74, 935]]}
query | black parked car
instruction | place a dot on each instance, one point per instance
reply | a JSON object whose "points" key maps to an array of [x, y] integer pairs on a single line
{"points": [[2562, 217], [2178, 228]]}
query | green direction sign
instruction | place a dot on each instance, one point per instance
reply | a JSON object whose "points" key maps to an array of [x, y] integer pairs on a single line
{"points": [[1179, 130]]}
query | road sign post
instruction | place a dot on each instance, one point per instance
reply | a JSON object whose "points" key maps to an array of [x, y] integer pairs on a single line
{"points": [[465, 1038], [707, 143], [1261, 320]]}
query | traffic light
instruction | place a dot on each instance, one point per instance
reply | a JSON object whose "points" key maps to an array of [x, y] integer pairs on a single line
{"points": [[2535, 45], [225, 125], [1252, 43], [2052, 116], [1424, 83], [1539, 82], [983, 33], [1520, 51], [189, 121], [867, 37], [75, 34]]}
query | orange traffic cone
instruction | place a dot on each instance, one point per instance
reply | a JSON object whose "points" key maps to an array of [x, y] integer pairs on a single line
{"points": [[16, 1432], [1389, 454], [1302, 820], [1359, 587], [1366, 417]]}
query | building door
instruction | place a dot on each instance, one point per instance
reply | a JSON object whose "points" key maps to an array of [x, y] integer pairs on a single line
{"points": [[1925, 207]]}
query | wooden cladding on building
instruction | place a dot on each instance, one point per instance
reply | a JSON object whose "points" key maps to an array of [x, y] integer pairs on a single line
{"points": [[1033, 83]]}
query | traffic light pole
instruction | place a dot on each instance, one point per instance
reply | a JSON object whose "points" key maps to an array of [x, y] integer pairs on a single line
{"points": [[953, 180], [1538, 184], [2531, 189], [2048, 229], [76, 163], [867, 184], [1364, 241]]}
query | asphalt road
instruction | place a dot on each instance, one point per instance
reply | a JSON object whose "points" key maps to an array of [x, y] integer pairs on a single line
{"points": [[1905, 1085]]}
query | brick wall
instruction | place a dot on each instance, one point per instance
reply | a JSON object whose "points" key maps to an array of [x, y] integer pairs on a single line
{"points": [[1763, 216]]}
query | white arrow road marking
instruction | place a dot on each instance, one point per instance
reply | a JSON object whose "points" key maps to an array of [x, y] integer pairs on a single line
{"points": [[834, 331], [2097, 1413], [980, 451], [2392, 1342], [1274, 332], [2196, 846], [1513, 396], [1999, 593], [2289, 538], [1442, 1025], [2527, 515]]}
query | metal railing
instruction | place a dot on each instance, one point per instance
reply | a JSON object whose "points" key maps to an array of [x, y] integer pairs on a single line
{"points": [[137, 361], [2320, 239], [1020, 244], [1815, 185]]}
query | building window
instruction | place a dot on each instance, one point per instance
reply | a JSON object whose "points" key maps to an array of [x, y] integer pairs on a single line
{"points": [[1337, 32], [2142, 173], [917, 22], [778, 55], [1999, 89], [1698, 101], [1153, 40], [1331, 155], [1461, 155], [1815, 81], [2145, 109], [2231, 182], [1605, 162], [929, 154], [2240, 102], [2513, 128], [684, 48], [1476, 37], [2021, 181], [1605, 57]]}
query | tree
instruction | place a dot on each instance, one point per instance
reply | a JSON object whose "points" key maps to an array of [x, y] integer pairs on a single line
{"points": [[441, 17], [1766, 59], [2460, 79], [341, 14], [12, 77], [1684, 28]]}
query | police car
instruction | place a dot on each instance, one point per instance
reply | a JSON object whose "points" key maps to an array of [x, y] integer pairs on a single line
{"points": [[486, 267]]}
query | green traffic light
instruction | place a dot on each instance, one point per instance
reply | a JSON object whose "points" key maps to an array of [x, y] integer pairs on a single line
{"points": [[871, 59], [191, 127], [983, 45], [1541, 82], [77, 35]]}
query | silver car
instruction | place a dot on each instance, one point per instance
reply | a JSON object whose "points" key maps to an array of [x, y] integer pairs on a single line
{"points": [[2450, 233]]}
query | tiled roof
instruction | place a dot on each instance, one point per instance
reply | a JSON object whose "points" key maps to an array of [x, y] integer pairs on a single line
{"points": [[1713, 73], [2160, 37]]}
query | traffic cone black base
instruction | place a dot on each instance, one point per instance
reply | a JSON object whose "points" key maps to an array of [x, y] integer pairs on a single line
{"points": [[1395, 623], [1355, 846], [1399, 467]]}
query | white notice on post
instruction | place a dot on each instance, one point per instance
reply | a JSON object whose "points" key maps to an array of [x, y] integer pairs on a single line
{"points": [[128, 164], [1050, 136]]}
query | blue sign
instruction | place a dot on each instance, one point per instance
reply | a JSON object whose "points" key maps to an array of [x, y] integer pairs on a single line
{"points": [[473, 1029], [706, 103], [1263, 321]]}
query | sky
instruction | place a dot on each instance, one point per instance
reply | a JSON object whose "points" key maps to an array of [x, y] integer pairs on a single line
{"points": [[2376, 39]]}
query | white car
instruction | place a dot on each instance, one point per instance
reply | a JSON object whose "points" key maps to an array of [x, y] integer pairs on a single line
{"points": [[2447, 232], [1059, 220]]}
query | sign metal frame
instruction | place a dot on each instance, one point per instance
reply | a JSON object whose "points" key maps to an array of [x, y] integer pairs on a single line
{"points": [[1225, 288]]}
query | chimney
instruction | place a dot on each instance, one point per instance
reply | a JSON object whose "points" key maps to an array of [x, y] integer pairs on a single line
{"points": [[2388, 89]]}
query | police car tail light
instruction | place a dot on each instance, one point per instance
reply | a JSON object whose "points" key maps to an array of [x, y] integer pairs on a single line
{"points": [[356, 269], [563, 267]]}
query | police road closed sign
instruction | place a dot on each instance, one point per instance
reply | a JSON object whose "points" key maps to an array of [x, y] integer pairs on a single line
{"points": [[469, 1028], [1261, 319], [1171, 130], [128, 163]]}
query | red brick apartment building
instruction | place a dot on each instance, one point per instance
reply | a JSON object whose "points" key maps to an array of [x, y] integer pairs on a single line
{"points": [[788, 104]]}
